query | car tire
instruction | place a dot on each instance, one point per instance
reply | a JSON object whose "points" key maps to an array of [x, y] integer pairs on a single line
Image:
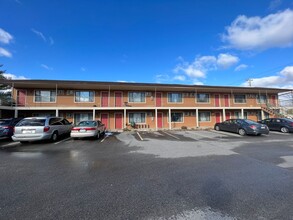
{"points": [[98, 135], [284, 130], [217, 128], [242, 132], [54, 136]]}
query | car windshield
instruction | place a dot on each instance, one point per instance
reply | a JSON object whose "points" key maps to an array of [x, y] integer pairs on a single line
{"points": [[87, 124], [32, 122], [4, 122]]}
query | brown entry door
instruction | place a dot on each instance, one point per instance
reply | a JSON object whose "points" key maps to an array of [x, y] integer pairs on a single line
{"points": [[158, 99], [118, 121], [160, 120], [21, 95], [105, 119], [217, 100], [104, 101], [218, 117], [118, 99]]}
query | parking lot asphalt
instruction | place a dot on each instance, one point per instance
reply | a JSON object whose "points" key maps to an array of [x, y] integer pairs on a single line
{"points": [[149, 175]]}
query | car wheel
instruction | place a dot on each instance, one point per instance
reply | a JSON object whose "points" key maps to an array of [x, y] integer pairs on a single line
{"points": [[54, 136], [98, 135], [242, 132], [217, 128], [284, 130]]}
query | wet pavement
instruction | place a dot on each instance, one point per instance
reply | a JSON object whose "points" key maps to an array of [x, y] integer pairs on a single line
{"points": [[153, 175]]}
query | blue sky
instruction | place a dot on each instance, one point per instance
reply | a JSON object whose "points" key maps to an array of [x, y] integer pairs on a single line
{"points": [[165, 41]]}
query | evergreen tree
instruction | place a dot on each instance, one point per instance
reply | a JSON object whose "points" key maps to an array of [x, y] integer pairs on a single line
{"points": [[5, 97]]}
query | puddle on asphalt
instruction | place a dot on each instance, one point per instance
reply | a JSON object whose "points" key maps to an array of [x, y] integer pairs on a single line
{"points": [[27, 154], [199, 214]]}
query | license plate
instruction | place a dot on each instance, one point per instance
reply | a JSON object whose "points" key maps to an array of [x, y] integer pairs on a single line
{"points": [[29, 131], [263, 127], [82, 130]]}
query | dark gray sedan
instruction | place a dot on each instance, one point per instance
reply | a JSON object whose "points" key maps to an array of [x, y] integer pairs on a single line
{"points": [[242, 127]]}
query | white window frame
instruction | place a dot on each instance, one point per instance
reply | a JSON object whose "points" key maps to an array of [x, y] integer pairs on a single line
{"points": [[239, 102], [176, 113], [41, 96], [84, 101], [137, 92], [258, 100], [204, 112], [209, 98], [168, 101], [145, 117]]}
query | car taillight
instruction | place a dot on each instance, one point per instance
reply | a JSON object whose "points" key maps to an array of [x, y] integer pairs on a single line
{"points": [[291, 124], [252, 127], [90, 129], [46, 128], [7, 127], [74, 129]]}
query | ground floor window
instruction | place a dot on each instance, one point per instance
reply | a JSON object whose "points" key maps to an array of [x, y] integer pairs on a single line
{"points": [[137, 117], [176, 117], [245, 115], [237, 115], [204, 116], [78, 117]]}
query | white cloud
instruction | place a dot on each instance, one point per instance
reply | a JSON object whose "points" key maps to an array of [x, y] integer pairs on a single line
{"points": [[52, 42], [12, 76], [5, 53], [39, 34], [256, 33], [5, 37], [241, 67], [203, 64], [283, 79], [46, 67], [180, 78], [83, 69], [275, 4], [226, 60], [162, 78]]}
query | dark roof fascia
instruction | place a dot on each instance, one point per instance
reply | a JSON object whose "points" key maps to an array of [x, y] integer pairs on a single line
{"points": [[73, 82]]}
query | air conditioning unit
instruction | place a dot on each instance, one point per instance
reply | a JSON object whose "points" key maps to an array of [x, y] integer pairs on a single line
{"points": [[60, 92], [69, 92]]}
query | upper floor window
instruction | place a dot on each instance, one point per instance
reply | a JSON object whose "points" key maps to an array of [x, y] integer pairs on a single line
{"points": [[174, 97], [136, 97], [45, 96], [202, 97], [239, 98], [84, 96], [262, 99]]}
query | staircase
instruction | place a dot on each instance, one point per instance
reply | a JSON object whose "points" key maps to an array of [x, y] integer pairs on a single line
{"points": [[276, 112]]}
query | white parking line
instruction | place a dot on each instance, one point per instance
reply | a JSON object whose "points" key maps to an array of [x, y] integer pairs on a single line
{"points": [[279, 132], [139, 136], [171, 135], [63, 140], [226, 133], [10, 144], [104, 139]]}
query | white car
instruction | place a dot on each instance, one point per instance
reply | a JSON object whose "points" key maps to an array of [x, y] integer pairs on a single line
{"points": [[89, 128], [41, 128]]}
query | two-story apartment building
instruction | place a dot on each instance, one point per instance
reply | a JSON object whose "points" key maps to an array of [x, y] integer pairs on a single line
{"points": [[145, 105]]}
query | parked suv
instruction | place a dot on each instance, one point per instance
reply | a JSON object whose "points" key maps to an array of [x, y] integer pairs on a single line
{"points": [[7, 126], [41, 128], [284, 125]]}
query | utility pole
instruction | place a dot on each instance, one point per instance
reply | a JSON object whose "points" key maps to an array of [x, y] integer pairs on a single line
{"points": [[250, 82]]}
